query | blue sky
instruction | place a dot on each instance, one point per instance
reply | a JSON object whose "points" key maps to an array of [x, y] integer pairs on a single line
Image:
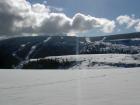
{"points": [[109, 9], [99, 8]]}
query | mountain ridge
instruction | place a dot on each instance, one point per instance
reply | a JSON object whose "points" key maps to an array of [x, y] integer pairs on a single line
{"points": [[20, 50]]}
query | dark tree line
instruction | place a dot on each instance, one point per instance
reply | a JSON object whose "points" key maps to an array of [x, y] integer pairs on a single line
{"points": [[49, 64]]}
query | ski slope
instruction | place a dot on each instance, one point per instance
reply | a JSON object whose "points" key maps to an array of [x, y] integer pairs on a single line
{"points": [[96, 61], [62, 87]]}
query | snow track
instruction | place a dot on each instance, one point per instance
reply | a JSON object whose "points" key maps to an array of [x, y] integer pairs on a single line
{"points": [[27, 58], [20, 49]]}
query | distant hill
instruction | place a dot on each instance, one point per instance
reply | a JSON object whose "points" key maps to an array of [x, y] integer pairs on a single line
{"points": [[14, 52]]}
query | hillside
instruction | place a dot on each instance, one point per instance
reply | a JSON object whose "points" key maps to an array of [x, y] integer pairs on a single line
{"points": [[17, 51], [85, 61]]}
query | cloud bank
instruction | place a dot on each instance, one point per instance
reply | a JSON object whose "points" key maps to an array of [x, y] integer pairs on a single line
{"points": [[19, 17], [129, 22]]}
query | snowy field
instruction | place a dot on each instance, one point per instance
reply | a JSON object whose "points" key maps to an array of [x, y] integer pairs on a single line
{"points": [[97, 61], [76, 87]]}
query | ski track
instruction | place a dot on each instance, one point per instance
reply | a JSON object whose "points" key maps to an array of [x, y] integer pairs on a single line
{"points": [[20, 49], [33, 48]]}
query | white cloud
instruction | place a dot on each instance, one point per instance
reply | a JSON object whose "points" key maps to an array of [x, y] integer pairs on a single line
{"points": [[60, 23], [137, 27], [20, 17], [129, 21], [106, 25], [83, 23], [39, 8], [55, 23]]}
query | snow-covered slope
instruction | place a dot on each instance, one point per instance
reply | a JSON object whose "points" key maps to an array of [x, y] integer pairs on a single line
{"points": [[89, 61], [19, 50], [84, 87]]}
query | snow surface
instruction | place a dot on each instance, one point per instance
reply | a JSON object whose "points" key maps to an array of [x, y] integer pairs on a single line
{"points": [[102, 61], [62, 87], [123, 58], [132, 39]]}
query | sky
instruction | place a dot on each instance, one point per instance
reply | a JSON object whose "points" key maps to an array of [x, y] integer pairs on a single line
{"points": [[72, 17], [99, 8]]}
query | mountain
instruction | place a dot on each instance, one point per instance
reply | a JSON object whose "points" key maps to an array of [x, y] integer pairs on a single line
{"points": [[19, 51]]}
